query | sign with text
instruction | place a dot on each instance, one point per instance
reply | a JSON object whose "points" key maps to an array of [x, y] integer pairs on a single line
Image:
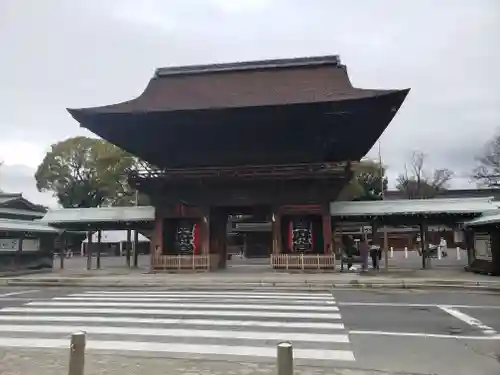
{"points": [[9, 244], [482, 246]]}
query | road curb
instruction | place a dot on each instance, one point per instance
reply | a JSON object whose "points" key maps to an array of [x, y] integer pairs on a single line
{"points": [[274, 285], [10, 274]]}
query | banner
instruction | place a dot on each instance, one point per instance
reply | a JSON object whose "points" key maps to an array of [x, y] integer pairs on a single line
{"points": [[301, 235], [187, 237]]}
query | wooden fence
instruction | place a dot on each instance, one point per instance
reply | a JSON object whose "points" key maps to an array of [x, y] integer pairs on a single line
{"points": [[303, 262], [183, 262]]}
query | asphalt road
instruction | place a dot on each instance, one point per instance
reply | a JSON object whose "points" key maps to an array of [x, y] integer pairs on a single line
{"points": [[404, 331]]}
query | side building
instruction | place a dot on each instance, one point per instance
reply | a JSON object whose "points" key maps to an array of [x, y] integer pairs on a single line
{"points": [[25, 243]]}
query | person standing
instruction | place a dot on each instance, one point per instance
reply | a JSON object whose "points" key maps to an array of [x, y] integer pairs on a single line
{"points": [[363, 252], [375, 254], [443, 246]]}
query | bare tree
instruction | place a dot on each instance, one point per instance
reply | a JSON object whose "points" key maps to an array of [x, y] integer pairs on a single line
{"points": [[487, 173], [417, 183]]}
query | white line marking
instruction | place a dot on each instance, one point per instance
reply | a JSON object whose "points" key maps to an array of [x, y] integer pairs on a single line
{"points": [[161, 347], [321, 297], [192, 299], [395, 304], [468, 320], [194, 333], [186, 305], [203, 322], [18, 293], [425, 335], [229, 293], [262, 314]]}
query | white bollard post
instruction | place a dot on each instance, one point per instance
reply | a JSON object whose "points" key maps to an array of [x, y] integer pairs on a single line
{"points": [[406, 252], [392, 252], [285, 358], [458, 253], [439, 250], [77, 354]]}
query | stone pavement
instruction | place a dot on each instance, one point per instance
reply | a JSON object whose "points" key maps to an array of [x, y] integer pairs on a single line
{"points": [[237, 279], [55, 362]]}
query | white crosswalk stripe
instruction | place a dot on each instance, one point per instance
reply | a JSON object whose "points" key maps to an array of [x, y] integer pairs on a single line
{"points": [[184, 323]]}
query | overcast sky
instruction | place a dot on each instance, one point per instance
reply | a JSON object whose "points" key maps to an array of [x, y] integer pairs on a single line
{"points": [[77, 53]]}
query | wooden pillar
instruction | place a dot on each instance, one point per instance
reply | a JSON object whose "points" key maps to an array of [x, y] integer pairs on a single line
{"points": [[469, 245], [156, 244], [223, 238], [423, 243], [17, 259], [127, 248], [495, 250], [327, 230], [89, 250], [386, 250], [136, 252], [244, 250], [375, 239], [276, 232], [61, 244], [98, 258], [218, 229], [205, 240]]}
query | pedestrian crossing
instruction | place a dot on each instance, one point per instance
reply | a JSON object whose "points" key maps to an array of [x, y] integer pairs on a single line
{"points": [[184, 323]]}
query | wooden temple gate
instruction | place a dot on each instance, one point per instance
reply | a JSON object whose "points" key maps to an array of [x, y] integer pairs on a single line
{"points": [[274, 132], [206, 242]]}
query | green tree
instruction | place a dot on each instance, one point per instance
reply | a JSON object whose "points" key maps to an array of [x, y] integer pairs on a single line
{"points": [[86, 172], [417, 183], [366, 184]]}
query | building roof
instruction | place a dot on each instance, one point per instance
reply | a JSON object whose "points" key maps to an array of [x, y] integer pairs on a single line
{"points": [[413, 207], [99, 215], [487, 218], [233, 108], [452, 193], [15, 206], [243, 84], [11, 225]]}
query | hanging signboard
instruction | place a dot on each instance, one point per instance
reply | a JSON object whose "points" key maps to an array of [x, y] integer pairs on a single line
{"points": [[458, 236], [482, 246], [31, 244], [9, 244]]}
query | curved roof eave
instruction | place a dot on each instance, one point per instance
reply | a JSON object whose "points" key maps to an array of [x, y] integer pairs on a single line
{"points": [[131, 107]]}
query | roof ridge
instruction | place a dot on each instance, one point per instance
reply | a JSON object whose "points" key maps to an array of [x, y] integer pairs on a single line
{"points": [[10, 195], [249, 65], [438, 199]]}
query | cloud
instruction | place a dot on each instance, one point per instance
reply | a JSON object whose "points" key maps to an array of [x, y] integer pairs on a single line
{"points": [[64, 53], [19, 178]]}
